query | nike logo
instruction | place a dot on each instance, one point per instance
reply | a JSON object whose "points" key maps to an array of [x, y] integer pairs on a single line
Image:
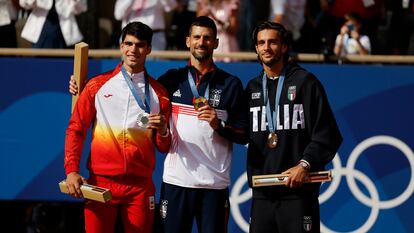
{"points": [[107, 95]]}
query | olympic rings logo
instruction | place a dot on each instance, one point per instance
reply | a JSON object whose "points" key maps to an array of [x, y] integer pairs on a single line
{"points": [[351, 174]]}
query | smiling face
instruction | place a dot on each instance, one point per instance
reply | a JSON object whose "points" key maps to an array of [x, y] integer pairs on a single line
{"points": [[269, 47], [201, 42], [134, 52]]}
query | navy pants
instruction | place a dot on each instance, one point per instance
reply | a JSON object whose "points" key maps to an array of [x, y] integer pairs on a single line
{"points": [[285, 216], [179, 206]]}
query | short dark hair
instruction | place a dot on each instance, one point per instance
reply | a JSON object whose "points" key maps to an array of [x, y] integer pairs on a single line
{"points": [[139, 30], [283, 33], [204, 21], [353, 16], [285, 36]]}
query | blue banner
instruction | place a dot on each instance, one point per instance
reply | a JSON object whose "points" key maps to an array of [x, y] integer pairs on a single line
{"points": [[373, 170]]}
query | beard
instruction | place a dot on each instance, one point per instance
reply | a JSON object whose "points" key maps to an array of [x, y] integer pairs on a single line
{"points": [[270, 62], [201, 56]]}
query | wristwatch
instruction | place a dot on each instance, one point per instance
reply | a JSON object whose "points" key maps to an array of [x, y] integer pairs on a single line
{"points": [[304, 165]]}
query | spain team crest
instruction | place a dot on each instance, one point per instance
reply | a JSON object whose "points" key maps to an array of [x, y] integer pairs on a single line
{"points": [[292, 93]]}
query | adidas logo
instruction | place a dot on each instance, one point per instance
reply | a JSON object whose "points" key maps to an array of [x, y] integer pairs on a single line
{"points": [[177, 93]]}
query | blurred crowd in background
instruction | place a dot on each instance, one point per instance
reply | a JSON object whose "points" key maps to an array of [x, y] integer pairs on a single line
{"points": [[316, 26]]}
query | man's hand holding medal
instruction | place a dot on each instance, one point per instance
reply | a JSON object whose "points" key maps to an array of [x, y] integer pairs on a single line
{"points": [[158, 122], [206, 112]]}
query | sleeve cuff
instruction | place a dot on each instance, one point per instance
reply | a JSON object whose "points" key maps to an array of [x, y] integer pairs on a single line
{"points": [[304, 161], [165, 135], [222, 125], [71, 168]]}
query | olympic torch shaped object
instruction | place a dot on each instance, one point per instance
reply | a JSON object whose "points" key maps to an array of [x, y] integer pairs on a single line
{"points": [[90, 192], [80, 68], [281, 179]]}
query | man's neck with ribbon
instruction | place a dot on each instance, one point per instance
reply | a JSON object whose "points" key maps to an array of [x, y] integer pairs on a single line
{"points": [[274, 70]]}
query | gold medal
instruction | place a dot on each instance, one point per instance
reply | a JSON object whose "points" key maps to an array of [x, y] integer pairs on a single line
{"points": [[143, 120], [200, 102], [272, 140]]}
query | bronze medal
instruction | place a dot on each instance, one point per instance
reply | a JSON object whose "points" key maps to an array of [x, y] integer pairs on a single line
{"points": [[200, 102], [143, 120], [272, 140]]}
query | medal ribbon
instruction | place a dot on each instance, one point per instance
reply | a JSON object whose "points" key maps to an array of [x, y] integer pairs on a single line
{"points": [[272, 120], [194, 87], [145, 105]]}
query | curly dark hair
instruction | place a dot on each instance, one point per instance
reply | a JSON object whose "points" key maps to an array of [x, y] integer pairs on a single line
{"points": [[284, 35], [139, 30]]}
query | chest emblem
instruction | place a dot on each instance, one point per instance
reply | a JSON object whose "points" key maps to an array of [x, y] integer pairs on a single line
{"points": [[291, 93], [256, 95], [177, 93], [215, 96]]}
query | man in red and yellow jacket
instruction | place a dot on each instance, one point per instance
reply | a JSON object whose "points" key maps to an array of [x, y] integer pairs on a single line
{"points": [[128, 110]]}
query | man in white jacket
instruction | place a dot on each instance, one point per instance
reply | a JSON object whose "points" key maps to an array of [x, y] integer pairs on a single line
{"points": [[52, 23], [8, 15], [289, 13], [150, 12]]}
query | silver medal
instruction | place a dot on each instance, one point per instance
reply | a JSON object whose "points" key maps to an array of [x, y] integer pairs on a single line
{"points": [[143, 120]]}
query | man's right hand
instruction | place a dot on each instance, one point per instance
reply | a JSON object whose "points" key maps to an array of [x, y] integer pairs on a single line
{"points": [[73, 182], [73, 87]]}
